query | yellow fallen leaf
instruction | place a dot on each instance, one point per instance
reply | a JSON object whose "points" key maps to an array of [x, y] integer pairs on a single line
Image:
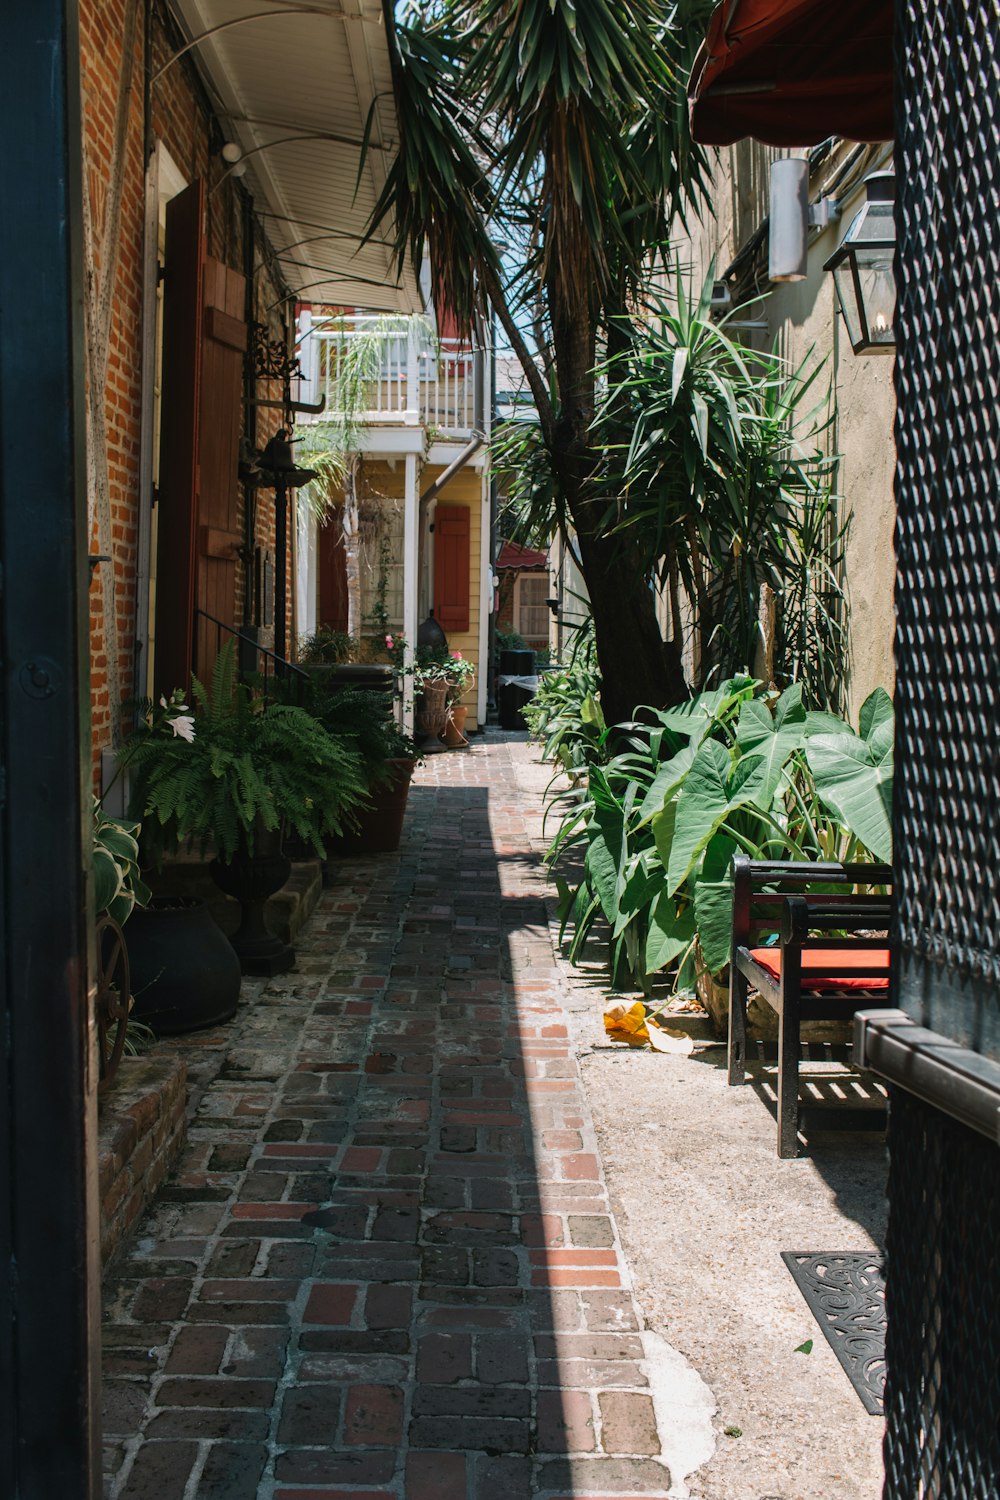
{"points": [[667, 1039], [626, 1022]]}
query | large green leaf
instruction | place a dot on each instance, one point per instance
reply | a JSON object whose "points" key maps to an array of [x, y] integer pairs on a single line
{"points": [[107, 879], [669, 934], [663, 832], [775, 738], [638, 884], [877, 723], [666, 781], [713, 911], [714, 788], [854, 777], [602, 869], [701, 807]]}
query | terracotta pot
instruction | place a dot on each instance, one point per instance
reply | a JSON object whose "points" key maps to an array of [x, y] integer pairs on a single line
{"points": [[380, 825], [454, 735], [432, 709]]}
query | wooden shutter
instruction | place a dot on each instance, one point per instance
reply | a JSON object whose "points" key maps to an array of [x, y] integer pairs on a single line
{"points": [[451, 567], [223, 345], [183, 278]]}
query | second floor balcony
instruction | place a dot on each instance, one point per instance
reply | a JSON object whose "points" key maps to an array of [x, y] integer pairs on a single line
{"points": [[377, 371]]}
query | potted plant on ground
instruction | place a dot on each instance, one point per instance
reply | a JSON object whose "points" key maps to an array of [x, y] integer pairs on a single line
{"points": [[431, 679], [461, 678], [232, 779], [364, 720]]}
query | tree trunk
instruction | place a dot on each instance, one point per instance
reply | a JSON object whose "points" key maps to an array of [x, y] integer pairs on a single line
{"points": [[636, 666]]}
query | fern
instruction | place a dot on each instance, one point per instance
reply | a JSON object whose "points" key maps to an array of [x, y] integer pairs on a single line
{"points": [[252, 766]]}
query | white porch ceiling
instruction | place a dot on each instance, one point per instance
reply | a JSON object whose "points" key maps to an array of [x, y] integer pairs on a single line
{"points": [[295, 83]]}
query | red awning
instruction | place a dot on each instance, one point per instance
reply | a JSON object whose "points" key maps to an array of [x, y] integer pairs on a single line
{"points": [[512, 555], [793, 72]]}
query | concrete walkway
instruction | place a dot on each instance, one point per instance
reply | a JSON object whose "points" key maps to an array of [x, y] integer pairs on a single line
{"points": [[387, 1266]]}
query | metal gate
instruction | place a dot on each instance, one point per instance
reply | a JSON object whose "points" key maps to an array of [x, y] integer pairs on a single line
{"points": [[943, 1056]]}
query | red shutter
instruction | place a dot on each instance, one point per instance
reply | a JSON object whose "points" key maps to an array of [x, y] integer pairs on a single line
{"points": [[180, 404], [333, 572], [451, 567], [224, 342]]}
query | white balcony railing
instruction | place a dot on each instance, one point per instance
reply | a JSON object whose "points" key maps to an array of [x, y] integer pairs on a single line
{"points": [[390, 371]]}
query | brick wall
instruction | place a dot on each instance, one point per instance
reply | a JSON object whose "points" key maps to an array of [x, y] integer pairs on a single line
{"points": [[142, 1127], [181, 117]]}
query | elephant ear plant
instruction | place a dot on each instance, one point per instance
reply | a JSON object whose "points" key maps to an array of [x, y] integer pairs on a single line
{"points": [[734, 770], [238, 769]]}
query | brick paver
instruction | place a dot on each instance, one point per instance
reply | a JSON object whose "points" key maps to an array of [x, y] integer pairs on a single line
{"points": [[387, 1269]]}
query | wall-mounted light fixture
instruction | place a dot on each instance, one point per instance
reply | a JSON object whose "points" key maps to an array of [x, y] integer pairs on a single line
{"points": [[791, 218], [863, 271], [232, 155]]}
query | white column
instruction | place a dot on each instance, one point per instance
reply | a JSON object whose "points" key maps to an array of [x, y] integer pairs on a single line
{"points": [[485, 596], [306, 600], [411, 565]]}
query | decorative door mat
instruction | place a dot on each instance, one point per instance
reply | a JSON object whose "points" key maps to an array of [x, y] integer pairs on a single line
{"points": [[846, 1295]]}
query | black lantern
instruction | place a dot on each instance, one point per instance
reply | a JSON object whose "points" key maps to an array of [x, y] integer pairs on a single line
{"points": [[863, 270]]}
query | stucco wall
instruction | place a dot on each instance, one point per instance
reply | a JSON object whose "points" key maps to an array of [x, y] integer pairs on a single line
{"points": [[801, 318]]}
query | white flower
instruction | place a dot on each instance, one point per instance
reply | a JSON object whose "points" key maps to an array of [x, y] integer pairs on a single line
{"points": [[183, 726]]}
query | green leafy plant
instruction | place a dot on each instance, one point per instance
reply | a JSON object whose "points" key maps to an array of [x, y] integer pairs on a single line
{"points": [[327, 646], [363, 719], [733, 770], [510, 640], [726, 490], [461, 675], [565, 714], [246, 765], [118, 882]]}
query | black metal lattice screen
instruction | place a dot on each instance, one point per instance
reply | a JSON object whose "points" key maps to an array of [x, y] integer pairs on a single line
{"points": [[942, 1307], [943, 1292], [948, 496]]}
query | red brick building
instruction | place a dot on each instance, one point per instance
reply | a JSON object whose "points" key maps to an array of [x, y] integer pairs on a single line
{"points": [[221, 151]]}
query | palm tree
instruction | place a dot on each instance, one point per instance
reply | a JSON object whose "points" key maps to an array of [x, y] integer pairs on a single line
{"points": [[561, 127]]}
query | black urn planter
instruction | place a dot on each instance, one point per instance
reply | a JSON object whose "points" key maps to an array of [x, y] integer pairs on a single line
{"points": [[252, 878], [184, 973]]}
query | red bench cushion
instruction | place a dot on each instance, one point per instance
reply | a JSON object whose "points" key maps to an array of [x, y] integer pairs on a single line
{"points": [[866, 961]]}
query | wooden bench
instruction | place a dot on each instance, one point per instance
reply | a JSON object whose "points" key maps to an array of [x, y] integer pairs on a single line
{"points": [[804, 973]]}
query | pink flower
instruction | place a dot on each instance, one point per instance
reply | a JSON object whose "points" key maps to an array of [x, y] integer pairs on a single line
{"points": [[456, 656], [388, 643]]}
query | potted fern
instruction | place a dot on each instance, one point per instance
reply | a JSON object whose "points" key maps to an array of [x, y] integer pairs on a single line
{"points": [[364, 719], [231, 779]]}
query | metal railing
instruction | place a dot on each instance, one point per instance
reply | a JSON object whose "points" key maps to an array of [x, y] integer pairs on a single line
{"points": [[255, 664], [409, 376]]}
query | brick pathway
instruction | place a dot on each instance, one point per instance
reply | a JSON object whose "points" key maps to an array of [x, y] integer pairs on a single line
{"points": [[387, 1269]]}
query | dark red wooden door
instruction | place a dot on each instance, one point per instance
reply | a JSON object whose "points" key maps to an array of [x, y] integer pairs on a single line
{"points": [[333, 572]]}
